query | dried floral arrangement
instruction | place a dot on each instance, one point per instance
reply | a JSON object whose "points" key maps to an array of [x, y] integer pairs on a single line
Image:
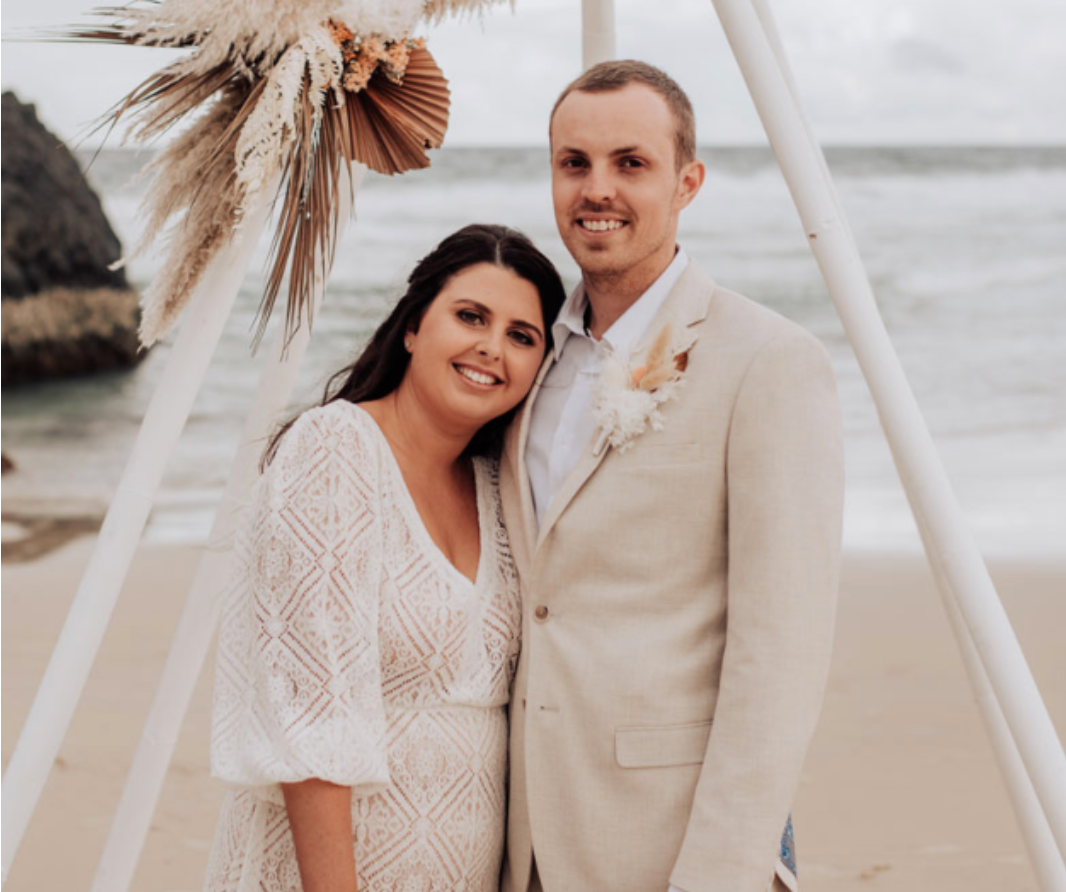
{"points": [[280, 94], [627, 396]]}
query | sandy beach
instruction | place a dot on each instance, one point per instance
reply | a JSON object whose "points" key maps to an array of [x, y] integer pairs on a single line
{"points": [[900, 793]]}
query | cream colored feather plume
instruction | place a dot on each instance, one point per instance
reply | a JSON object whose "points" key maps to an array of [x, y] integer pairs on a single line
{"points": [[271, 125], [435, 10], [245, 33], [658, 368]]}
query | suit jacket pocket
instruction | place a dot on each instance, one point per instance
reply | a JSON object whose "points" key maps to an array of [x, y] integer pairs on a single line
{"points": [[664, 745]]}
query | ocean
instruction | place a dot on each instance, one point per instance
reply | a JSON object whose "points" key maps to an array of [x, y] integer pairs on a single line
{"points": [[965, 247]]}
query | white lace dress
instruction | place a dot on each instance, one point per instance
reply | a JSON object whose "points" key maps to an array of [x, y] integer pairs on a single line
{"points": [[352, 650]]}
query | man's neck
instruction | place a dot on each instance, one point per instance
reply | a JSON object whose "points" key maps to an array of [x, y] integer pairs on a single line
{"points": [[610, 296]]}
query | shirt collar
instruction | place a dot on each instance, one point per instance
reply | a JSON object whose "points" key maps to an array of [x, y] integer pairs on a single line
{"points": [[631, 325]]}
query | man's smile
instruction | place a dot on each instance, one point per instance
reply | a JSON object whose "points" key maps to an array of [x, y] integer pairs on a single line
{"points": [[601, 225]]}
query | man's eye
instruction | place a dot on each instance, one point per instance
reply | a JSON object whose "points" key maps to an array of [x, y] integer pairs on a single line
{"points": [[572, 163], [632, 162], [469, 316]]}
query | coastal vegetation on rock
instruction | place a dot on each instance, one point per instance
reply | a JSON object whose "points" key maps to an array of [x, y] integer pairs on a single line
{"points": [[65, 312]]}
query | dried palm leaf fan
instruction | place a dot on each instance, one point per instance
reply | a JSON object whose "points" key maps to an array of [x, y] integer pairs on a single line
{"points": [[387, 125], [393, 124], [286, 92]]}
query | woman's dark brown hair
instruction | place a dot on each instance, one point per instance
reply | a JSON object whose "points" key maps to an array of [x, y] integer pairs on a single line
{"points": [[380, 368]]}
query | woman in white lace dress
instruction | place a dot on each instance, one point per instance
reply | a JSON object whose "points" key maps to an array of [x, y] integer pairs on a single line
{"points": [[370, 635]]}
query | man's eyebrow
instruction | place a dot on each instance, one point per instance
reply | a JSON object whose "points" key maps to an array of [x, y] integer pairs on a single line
{"points": [[615, 153], [521, 323]]}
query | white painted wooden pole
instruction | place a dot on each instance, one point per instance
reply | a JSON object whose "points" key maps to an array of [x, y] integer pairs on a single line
{"points": [[90, 612], [192, 639], [1047, 864], [957, 564], [597, 32]]}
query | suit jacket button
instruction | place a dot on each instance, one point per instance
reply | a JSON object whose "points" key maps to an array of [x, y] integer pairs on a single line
{"points": [[540, 613]]}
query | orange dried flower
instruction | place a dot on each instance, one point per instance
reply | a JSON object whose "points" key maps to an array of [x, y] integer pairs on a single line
{"points": [[358, 74], [396, 62], [398, 54], [372, 48], [340, 32]]}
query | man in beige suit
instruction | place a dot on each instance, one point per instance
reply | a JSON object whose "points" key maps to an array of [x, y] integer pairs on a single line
{"points": [[673, 492]]}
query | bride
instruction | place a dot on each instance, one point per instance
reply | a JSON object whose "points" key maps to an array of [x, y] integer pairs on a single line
{"points": [[370, 635]]}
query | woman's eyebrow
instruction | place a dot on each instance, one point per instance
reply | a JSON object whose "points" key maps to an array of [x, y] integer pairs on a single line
{"points": [[481, 308], [521, 323]]}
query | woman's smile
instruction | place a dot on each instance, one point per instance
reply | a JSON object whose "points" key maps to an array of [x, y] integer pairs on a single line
{"points": [[477, 376]]}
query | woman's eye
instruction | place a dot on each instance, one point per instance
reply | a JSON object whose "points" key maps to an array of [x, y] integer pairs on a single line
{"points": [[469, 316], [522, 338]]}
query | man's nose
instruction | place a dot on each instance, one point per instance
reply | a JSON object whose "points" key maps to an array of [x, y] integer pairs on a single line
{"points": [[599, 187]]}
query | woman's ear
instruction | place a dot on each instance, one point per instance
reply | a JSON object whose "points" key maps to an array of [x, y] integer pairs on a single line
{"points": [[410, 335]]}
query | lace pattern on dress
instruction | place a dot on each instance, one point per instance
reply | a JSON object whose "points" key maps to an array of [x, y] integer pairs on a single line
{"points": [[351, 650]]}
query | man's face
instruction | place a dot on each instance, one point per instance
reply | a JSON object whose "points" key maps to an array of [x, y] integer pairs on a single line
{"points": [[615, 184]]}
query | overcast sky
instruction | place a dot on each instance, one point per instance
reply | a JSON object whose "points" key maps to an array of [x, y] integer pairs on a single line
{"points": [[870, 71]]}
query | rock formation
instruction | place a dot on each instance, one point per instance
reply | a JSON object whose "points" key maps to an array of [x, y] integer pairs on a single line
{"points": [[64, 311]]}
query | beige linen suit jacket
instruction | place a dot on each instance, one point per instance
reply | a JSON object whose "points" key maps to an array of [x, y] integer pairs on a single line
{"points": [[679, 602]]}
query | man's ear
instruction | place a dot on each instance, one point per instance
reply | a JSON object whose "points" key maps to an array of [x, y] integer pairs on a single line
{"points": [[689, 183]]}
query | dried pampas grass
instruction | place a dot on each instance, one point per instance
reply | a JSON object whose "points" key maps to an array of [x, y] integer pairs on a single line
{"points": [[287, 93], [436, 10], [200, 162]]}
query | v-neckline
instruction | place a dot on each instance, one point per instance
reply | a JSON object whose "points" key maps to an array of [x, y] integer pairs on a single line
{"points": [[414, 516]]}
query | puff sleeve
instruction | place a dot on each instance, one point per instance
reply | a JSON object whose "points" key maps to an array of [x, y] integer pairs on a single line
{"points": [[298, 680]]}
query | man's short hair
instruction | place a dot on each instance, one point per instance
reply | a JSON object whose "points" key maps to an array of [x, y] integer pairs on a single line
{"points": [[607, 77]]}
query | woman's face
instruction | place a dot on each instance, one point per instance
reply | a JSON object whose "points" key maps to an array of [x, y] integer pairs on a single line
{"points": [[478, 346]]}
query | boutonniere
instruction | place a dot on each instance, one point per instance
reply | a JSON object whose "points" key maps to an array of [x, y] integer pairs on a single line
{"points": [[628, 394]]}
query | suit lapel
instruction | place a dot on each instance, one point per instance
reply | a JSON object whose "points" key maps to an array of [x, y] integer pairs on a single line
{"points": [[589, 461], [685, 306]]}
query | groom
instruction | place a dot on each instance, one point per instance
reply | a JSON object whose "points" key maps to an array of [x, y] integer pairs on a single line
{"points": [[673, 493]]}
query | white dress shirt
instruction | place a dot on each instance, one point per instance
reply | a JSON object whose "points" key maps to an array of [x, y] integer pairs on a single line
{"points": [[561, 425]]}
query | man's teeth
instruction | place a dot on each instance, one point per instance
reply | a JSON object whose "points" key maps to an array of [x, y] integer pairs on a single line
{"points": [[476, 377], [602, 225]]}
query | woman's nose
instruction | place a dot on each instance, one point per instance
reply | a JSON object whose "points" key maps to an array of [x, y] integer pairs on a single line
{"points": [[491, 345]]}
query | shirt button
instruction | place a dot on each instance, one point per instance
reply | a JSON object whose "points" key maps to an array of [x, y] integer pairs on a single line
{"points": [[540, 614]]}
